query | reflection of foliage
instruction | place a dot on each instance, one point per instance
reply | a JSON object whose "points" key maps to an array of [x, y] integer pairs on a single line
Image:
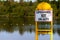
{"points": [[30, 30], [54, 31], [58, 31], [21, 30], [9, 28], [6, 27], [28, 21], [57, 21]]}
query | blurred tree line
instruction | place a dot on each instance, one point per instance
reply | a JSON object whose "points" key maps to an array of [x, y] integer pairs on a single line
{"points": [[11, 8]]}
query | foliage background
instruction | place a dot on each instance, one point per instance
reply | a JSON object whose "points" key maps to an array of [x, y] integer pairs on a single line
{"points": [[23, 9]]}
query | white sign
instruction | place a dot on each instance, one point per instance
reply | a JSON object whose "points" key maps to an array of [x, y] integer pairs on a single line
{"points": [[43, 15]]}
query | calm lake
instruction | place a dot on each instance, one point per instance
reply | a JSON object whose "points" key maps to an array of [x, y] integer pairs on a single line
{"points": [[16, 28]]}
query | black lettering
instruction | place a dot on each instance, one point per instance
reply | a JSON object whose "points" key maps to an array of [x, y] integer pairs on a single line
{"points": [[43, 15], [43, 11], [39, 18], [45, 18]]}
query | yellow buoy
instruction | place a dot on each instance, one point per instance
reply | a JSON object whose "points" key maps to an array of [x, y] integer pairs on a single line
{"points": [[43, 6]]}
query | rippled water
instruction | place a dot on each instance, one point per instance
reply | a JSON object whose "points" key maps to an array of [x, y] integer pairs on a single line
{"points": [[24, 29]]}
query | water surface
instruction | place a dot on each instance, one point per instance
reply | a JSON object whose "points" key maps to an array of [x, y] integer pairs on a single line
{"points": [[16, 28]]}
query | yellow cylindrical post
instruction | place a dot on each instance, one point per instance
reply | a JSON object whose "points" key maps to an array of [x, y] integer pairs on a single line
{"points": [[51, 35], [36, 30]]}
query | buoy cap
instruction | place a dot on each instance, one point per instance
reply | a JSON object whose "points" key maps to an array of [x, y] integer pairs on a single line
{"points": [[44, 6]]}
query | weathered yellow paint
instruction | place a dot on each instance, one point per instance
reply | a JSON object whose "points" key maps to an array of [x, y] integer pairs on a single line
{"points": [[51, 35], [36, 30], [46, 31], [43, 6]]}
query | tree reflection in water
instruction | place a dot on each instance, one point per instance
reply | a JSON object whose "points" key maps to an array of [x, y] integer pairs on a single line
{"points": [[21, 30], [58, 31], [22, 25]]}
